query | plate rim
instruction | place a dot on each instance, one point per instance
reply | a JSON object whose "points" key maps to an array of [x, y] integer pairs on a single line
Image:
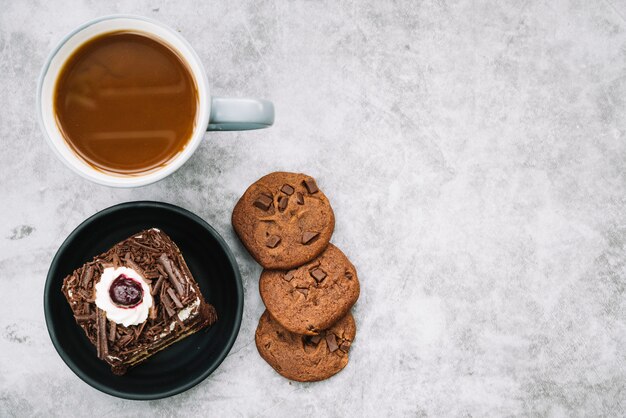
{"points": [[125, 394]]}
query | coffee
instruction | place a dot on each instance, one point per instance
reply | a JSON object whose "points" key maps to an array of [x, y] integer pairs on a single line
{"points": [[126, 103]]}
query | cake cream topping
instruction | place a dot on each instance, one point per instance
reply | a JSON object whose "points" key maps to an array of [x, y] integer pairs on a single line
{"points": [[183, 315], [125, 315]]}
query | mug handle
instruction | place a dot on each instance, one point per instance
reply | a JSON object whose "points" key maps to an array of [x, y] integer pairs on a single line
{"points": [[240, 114]]}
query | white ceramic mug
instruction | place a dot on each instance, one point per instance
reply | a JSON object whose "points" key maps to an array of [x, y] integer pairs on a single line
{"points": [[213, 113]]}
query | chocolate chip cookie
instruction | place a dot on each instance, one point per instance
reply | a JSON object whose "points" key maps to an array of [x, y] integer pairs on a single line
{"points": [[305, 358], [312, 297], [284, 220]]}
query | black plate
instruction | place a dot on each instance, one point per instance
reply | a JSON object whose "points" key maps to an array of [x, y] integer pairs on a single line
{"points": [[183, 364]]}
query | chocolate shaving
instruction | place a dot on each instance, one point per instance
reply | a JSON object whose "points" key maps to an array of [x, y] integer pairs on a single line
{"points": [[86, 308], [332, 342], [318, 274], [171, 273], [287, 189], [273, 241], [151, 274], [300, 198], [84, 318], [282, 203], [179, 275], [128, 351], [310, 185], [101, 321], [112, 330], [130, 263], [167, 304], [86, 296], [155, 330], [116, 260], [139, 329], [263, 202], [145, 247], [123, 341], [154, 311], [161, 270], [308, 237], [72, 279], [157, 286], [172, 294], [87, 276]]}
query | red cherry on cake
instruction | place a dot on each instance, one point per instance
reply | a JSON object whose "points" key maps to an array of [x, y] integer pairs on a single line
{"points": [[126, 292]]}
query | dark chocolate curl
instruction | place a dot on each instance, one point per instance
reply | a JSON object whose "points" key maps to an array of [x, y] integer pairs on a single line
{"points": [[171, 273]]}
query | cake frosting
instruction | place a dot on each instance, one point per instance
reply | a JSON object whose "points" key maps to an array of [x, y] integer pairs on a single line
{"points": [[123, 315]]}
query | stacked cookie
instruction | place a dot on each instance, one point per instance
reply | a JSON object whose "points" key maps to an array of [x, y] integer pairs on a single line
{"points": [[308, 285]]}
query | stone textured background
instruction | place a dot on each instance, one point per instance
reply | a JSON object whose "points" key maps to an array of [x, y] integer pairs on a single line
{"points": [[475, 155]]}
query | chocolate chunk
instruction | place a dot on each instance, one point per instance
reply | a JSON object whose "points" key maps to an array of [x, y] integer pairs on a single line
{"points": [[300, 198], [175, 299], [312, 340], [303, 291], [348, 275], [310, 185], [287, 189], [332, 342], [273, 241], [345, 346], [289, 275], [282, 203], [318, 274], [263, 202], [308, 237]]}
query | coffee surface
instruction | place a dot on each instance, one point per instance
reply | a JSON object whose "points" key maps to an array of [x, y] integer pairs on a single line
{"points": [[126, 103]]}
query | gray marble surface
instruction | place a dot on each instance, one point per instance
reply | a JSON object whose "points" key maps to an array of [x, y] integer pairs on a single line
{"points": [[475, 156]]}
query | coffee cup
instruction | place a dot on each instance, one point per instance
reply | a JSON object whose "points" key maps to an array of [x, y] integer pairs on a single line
{"points": [[211, 113]]}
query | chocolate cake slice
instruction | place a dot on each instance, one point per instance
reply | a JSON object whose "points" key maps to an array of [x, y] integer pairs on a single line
{"points": [[136, 299]]}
